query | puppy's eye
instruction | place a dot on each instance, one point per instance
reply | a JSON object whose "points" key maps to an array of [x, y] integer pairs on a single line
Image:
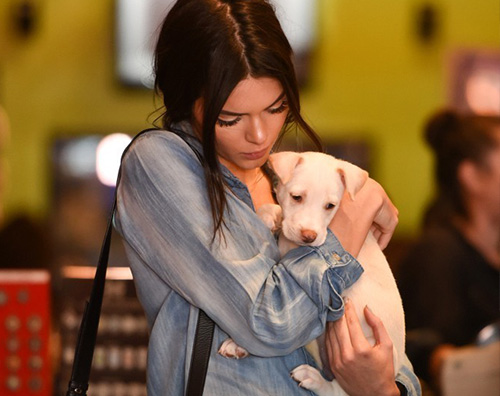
{"points": [[329, 206], [296, 198]]}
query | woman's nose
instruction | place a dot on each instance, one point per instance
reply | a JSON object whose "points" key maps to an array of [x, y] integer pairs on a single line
{"points": [[256, 132]]}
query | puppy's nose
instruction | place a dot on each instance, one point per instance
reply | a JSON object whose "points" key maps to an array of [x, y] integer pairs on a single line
{"points": [[308, 236]]}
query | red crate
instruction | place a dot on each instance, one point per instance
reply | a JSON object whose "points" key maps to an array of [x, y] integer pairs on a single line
{"points": [[25, 362]]}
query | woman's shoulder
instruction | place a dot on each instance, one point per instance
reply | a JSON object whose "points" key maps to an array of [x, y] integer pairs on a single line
{"points": [[162, 153], [155, 137], [161, 143]]}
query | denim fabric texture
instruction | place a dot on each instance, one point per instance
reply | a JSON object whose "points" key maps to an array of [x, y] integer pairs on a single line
{"points": [[270, 305]]}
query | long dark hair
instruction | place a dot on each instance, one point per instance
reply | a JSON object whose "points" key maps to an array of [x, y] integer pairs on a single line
{"points": [[205, 48], [456, 138]]}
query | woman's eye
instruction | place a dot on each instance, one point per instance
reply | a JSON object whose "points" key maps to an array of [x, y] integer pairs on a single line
{"points": [[296, 198], [329, 206], [228, 123], [280, 109]]}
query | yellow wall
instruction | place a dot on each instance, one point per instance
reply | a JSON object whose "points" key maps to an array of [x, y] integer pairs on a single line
{"points": [[374, 79], [61, 80], [371, 79]]}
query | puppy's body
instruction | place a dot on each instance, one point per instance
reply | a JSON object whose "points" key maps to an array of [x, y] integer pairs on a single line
{"points": [[309, 188], [377, 289]]}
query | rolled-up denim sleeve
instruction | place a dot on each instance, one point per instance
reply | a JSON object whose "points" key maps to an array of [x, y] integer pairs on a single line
{"points": [[407, 380], [342, 270], [269, 305]]}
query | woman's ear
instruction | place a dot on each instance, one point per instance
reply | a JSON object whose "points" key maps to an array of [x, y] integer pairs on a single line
{"points": [[469, 177], [198, 109], [283, 164]]}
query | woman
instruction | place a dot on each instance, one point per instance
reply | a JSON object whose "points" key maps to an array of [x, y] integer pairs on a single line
{"points": [[450, 280], [193, 239]]}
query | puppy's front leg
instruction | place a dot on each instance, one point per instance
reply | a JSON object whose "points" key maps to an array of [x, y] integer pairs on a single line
{"points": [[310, 378], [271, 215], [231, 349]]}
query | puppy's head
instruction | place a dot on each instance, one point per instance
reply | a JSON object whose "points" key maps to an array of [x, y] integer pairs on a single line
{"points": [[309, 188]]}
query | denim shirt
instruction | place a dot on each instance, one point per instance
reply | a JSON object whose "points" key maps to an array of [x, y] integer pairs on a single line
{"points": [[270, 305]]}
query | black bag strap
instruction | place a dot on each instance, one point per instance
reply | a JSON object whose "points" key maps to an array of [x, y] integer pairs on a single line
{"points": [[85, 345], [201, 355]]}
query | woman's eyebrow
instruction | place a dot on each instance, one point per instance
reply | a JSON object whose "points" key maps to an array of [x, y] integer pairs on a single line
{"points": [[231, 113]]}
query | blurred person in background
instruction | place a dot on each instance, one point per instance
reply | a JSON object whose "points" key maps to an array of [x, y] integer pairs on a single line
{"points": [[449, 280]]}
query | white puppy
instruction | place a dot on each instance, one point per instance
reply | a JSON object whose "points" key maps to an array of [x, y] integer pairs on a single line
{"points": [[309, 188]]}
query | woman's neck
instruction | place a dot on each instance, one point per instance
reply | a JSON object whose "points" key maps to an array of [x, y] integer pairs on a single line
{"points": [[259, 187], [483, 233], [257, 182], [250, 177]]}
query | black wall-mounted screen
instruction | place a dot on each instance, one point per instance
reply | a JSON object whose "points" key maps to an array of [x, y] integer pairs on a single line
{"points": [[137, 25]]}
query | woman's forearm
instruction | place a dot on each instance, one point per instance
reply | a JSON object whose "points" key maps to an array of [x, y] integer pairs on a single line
{"points": [[371, 209]]}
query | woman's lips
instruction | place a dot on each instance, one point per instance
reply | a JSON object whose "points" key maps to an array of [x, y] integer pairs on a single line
{"points": [[255, 154]]}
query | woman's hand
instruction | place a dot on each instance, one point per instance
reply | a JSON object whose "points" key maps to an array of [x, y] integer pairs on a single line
{"points": [[360, 368], [371, 209]]}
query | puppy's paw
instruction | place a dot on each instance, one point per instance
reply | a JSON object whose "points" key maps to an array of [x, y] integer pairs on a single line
{"points": [[230, 349], [310, 378], [271, 215]]}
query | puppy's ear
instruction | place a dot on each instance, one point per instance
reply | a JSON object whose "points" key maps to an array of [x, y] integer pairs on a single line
{"points": [[283, 164], [352, 176]]}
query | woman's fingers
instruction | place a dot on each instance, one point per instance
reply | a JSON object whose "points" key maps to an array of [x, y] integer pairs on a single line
{"points": [[376, 232], [341, 337], [370, 210], [378, 328], [346, 337], [359, 367], [385, 221], [357, 337], [347, 333], [386, 214], [383, 239]]}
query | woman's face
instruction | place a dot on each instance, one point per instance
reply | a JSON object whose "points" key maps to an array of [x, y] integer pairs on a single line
{"points": [[249, 123]]}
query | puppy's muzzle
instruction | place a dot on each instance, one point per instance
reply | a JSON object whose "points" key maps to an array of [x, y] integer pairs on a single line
{"points": [[308, 236]]}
